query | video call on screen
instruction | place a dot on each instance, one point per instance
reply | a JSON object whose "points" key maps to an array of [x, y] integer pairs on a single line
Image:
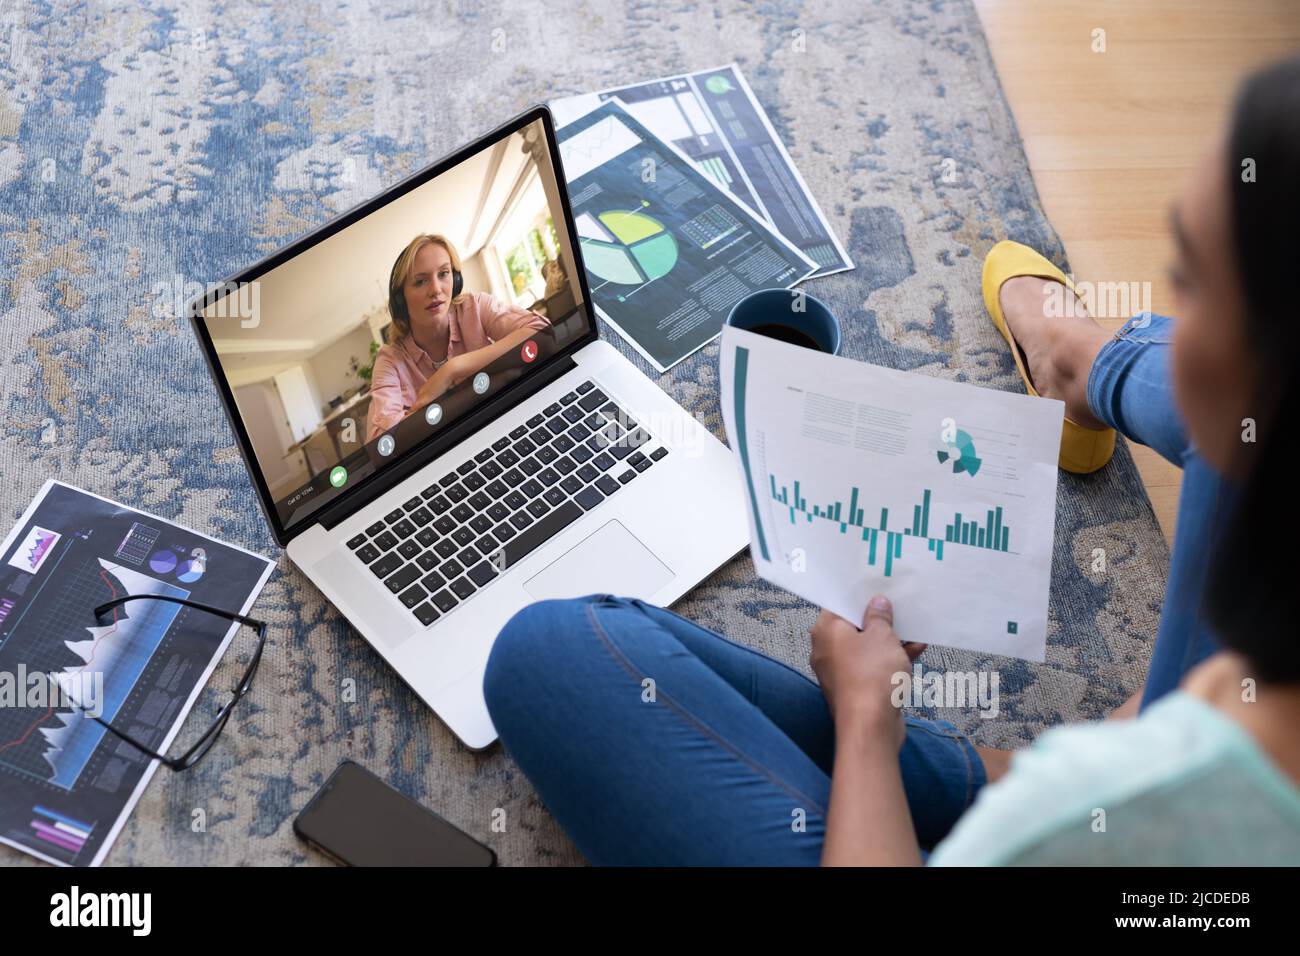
{"points": [[363, 346]]}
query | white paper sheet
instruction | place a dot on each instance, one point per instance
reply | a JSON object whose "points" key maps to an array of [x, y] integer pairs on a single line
{"points": [[864, 480]]}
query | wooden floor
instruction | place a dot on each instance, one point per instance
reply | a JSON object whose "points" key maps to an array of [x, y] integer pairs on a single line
{"points": [[1111, 136]]}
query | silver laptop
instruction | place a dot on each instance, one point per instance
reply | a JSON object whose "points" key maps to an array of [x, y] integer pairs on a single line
{"points": [[429, 516]]}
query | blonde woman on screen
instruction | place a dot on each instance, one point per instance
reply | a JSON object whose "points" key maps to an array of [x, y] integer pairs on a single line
{"points": [[443, 334]]}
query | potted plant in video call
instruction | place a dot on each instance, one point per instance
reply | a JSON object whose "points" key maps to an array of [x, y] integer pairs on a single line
{"points": [[365, 371]]}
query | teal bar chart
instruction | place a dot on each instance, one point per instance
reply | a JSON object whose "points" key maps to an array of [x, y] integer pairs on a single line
{"points": [[993, 534], [860, 480]]}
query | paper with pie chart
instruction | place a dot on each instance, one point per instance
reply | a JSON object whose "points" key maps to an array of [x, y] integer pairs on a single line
{"points": [[862, 480], [66, 784], [626, 248], [667, 251], [714, 117]]}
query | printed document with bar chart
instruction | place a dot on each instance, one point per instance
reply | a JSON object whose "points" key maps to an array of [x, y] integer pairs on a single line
{"points": [[67, 784], [863, 480]]}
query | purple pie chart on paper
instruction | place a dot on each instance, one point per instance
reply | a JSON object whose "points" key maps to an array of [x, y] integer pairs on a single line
{"points": [[161, 562]]}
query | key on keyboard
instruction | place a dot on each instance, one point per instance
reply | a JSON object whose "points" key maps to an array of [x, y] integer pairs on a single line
{"points": [[505, 501]]}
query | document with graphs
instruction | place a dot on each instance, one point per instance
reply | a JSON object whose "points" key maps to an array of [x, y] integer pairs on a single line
{"points": [[713, 117], [863, 480], [68, 783], [667, 250]]}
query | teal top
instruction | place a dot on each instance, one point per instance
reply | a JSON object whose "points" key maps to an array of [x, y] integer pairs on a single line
{"points": [[1181, 785]]}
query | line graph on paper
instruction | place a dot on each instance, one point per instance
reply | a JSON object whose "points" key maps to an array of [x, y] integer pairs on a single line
{"points": [[595, 146]]}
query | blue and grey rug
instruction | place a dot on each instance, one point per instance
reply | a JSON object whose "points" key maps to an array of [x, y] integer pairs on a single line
{"points": [[140, 142]]}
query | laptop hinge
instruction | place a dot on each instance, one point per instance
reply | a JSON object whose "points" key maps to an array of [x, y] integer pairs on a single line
{"points": [[389, 478]]}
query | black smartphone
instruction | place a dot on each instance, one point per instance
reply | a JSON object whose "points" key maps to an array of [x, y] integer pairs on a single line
{"points": [[362, 821]]}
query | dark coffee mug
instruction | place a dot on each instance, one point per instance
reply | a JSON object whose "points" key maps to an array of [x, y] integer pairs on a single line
{"points": [[788, 315]]}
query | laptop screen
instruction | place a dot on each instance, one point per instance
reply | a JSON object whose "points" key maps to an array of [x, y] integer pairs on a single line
{"points": [[347, 354]]}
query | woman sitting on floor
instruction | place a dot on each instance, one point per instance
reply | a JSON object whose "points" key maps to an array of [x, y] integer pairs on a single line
{"points": [[731, 762]]}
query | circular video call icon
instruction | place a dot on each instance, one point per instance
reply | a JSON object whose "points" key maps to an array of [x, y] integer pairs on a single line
{"points": [[528, 352], [481, 382], [433, 414], [338, 475], [386, 445]]}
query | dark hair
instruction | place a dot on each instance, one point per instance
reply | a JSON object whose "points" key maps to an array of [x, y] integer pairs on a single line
{"points": [[1249, 598]]}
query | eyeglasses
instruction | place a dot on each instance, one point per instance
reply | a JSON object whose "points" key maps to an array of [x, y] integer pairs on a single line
{"points": [[204, 743]]}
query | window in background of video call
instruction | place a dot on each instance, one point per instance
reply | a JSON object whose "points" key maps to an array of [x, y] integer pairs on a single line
{"points": [[331, 387]]}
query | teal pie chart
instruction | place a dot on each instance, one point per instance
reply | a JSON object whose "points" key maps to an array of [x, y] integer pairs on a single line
{"points": [[961, 453], [626, 248]]}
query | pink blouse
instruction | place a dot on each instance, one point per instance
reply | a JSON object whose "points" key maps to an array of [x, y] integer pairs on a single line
{"points": [[401, 367]]}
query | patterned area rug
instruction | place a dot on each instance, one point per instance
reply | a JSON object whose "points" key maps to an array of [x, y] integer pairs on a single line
{"points": [[179, 138]]}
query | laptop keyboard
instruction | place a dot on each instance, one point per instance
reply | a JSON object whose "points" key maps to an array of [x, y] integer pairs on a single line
{"points": [[455, 538]]}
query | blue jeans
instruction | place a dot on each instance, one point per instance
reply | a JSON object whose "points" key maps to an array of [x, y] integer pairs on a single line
{"points": [[1130, 389], [655, 741]]}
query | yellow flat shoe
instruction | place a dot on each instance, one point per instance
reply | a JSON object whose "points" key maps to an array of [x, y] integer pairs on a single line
{"points": [[1083, 450]]}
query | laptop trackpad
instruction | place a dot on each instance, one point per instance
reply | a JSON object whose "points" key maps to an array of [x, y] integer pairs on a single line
{"points": [[608, 561]]}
